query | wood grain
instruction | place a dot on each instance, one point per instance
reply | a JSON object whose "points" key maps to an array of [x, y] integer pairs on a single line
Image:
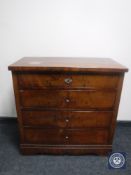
{"points": [[71, 99], [66, 119], [67, 105], [66, 136], [79, 81], [66, 64]]}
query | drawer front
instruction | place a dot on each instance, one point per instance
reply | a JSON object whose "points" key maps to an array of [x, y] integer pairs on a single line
{"points": [[68, 99], [40, 81], [69, 137], [66, 119]]}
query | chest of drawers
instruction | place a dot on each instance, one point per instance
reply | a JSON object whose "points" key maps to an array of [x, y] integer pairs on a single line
{"points": [[67, 105]]}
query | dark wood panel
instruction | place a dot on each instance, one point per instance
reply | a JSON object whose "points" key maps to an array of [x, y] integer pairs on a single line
{"points": [[67, 64], [41, 81], [68, 119], [29, 149], [69, 137], [17, 102], [63, 104], [68, 99]]}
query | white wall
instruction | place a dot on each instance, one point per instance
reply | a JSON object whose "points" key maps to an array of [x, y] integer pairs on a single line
{"points": [[96, 28]]}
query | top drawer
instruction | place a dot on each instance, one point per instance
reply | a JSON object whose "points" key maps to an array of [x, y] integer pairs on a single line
{"points": [[91, 81]]}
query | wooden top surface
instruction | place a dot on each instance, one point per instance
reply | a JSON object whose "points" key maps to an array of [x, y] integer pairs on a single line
{"points": [[67, 64]]}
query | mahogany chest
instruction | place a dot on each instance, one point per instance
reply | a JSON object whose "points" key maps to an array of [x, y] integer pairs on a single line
{"points": [[67, 105]]}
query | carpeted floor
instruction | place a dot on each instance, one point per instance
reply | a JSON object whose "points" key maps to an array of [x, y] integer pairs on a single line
{"points": [[13, 163]]}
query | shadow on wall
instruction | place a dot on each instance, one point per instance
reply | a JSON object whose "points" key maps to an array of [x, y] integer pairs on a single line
{"points": [[12, 106]]}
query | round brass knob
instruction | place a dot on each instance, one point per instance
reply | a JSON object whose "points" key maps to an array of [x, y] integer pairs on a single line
{"points": [[67, 120], [67, 100], [67, 137]]}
